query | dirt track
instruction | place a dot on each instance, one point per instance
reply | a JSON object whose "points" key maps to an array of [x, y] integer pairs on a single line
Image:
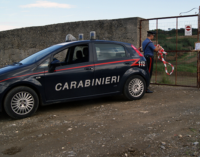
{"points": [[165, 123]]}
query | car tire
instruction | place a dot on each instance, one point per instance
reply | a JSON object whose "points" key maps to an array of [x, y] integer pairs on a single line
{"points": [[134, 88], [21, 102]]}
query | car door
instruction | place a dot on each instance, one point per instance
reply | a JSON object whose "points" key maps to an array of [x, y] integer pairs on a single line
{"points": [[73, 79], [111, 62]]}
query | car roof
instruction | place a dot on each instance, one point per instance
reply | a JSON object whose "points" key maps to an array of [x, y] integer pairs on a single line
{"points": [[84, 41], [108, 41]]}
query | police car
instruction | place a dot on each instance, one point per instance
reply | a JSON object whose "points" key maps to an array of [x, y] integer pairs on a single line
{"points": [[73, 70]]}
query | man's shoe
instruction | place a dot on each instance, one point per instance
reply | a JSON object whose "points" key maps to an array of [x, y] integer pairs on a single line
{"points": [[148, 91]]}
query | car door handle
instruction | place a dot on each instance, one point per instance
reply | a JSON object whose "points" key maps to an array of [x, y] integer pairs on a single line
{"points": [[127, 63], [89, 68]]}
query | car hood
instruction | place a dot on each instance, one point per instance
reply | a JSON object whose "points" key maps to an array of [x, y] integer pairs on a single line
{"points": [[9, 68], [13, 71]]}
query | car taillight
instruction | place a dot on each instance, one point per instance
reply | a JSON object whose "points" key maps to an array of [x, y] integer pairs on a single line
{"points": [[138, 52]]}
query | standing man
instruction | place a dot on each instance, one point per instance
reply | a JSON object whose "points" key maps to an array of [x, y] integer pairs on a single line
{"points": [[148, 49]]}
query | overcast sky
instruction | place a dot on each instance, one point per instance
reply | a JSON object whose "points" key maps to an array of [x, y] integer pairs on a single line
{"points": [[27, 13]]}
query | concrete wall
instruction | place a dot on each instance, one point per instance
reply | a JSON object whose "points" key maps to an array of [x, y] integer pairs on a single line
{"points": [[17, 44]]}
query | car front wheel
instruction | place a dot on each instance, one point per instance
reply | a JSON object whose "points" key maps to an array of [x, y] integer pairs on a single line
{"points": [[21, 102], [134, 88]]}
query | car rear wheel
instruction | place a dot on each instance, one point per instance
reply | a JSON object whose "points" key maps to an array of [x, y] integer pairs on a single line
{"points": [[134, 88], [21, 102]]}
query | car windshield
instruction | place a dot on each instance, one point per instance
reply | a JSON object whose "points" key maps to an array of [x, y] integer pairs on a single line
{"points": [[39, 55]]}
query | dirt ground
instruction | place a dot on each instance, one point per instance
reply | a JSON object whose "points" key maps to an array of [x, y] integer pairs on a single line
{"points": [[163, 124]]}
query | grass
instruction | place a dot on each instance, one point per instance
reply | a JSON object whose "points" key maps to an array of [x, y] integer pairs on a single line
{"points": [[187, 68], [181, 80], [187, 56], [182, 64], [165, 79], [183, 43], [167, 39], [180, 68]]}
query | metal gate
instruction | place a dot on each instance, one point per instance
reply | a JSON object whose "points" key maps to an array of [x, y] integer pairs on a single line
{"points": [[171, 36]]}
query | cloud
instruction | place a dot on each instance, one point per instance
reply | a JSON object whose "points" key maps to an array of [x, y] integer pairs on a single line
{"points": [[47, 4]]}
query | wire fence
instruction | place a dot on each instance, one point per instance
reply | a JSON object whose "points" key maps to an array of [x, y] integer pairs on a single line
{"points": [[171, 36], [185, 69]]}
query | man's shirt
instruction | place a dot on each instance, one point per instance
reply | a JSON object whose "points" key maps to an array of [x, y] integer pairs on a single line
{"points": [[150, 47]]}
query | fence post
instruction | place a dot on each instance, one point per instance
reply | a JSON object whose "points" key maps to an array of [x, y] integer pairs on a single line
{"points": [[199, 25], [140, 33], [198, 53], [176, 50], [156, 52], [198, 69]]}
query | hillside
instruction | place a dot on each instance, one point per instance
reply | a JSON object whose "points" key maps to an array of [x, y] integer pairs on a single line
{"points": [[167, 39]]}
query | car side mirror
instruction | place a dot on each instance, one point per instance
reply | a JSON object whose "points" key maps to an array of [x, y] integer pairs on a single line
{"points": [[52, 66]]}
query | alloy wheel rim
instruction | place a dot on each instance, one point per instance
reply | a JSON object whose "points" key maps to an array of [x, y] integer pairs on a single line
{"points": [[22, 103], [136, 87]]}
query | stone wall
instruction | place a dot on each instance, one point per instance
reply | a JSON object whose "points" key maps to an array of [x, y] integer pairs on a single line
{"points": [[17, 44]]}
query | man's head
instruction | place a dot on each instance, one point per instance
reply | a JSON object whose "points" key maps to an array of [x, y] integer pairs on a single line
{"points": [[151, 34]]}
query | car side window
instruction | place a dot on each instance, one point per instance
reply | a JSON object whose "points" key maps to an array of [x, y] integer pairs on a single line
{"points": [[79, 54], [44, 64], [109, 51], [61, 56]]}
